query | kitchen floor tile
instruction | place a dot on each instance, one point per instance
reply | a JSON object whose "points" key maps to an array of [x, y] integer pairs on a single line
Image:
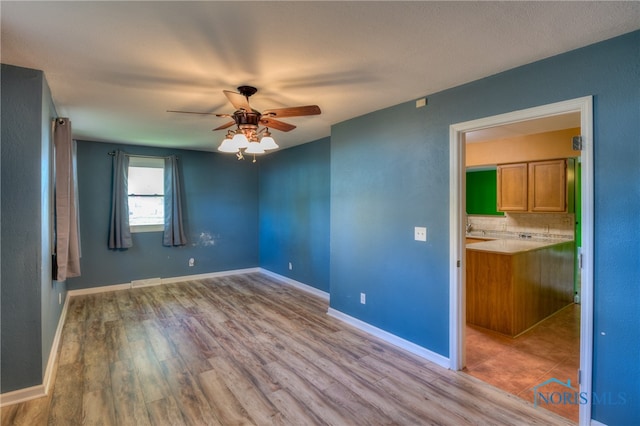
{"points": [[551, 350]]}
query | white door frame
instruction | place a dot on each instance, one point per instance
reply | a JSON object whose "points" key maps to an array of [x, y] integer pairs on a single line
{"points": [[457, 214]]}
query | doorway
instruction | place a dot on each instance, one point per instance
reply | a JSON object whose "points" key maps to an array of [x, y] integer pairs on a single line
{"points": [[457, 230]]}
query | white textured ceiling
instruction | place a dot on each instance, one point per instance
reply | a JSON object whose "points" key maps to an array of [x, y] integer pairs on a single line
{"points": [[115, 68]]}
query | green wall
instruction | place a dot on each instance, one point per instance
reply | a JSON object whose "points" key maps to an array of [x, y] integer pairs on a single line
{"points": [[482, 193]]}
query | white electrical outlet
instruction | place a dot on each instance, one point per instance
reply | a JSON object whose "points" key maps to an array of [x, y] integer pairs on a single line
{"points": [[59, 298], [192, 262], [363, 298], [420, 233], [290, 266]]}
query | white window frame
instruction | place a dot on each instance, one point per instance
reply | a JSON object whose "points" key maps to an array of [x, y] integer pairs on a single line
{"points": [[151, 162]]}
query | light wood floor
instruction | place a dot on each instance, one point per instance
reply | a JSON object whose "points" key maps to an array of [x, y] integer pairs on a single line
{"points": [[247, 350]]}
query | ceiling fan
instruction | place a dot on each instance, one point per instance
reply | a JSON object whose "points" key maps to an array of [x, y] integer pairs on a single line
{"points": [[248, 137]]}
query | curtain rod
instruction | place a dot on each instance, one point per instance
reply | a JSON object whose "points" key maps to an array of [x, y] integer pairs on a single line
{"points": [[59, 121], [112, 153]]}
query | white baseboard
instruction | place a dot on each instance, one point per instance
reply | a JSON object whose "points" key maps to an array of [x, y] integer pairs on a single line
{"points": [[159, 281], [368, 328], [391, 338], [55, 345], [361, 325], [209, 275], [596, 423], [147, 282], [22, 395], [39, 391], [95, 290], [297, 284]]}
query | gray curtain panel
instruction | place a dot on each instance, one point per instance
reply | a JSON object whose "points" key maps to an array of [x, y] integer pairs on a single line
{"points": [[173, 231], [119, 231], [66, 217]]}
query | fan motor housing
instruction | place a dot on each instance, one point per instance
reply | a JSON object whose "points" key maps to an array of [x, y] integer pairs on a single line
{"points": [[246, 118]]}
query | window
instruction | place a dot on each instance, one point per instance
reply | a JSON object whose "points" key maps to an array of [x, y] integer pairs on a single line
{"points": [[146, 194]]}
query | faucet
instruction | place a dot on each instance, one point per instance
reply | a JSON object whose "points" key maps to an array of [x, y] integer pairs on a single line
{"points": [[468, 227]]}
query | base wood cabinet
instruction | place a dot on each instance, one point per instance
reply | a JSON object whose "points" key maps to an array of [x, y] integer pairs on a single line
{"points": [[511, 292]]}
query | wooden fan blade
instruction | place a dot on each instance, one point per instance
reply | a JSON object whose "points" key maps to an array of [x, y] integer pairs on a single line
{"points": [[238, 100], [193, 112], [226, 125], [293, 111], [276, 124]]}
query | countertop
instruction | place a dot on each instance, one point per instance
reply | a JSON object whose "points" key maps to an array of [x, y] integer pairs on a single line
{"points": [[513, 246]]}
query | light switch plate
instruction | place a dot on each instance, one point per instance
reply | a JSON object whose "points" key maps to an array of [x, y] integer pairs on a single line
{"points": [[420, 233]]}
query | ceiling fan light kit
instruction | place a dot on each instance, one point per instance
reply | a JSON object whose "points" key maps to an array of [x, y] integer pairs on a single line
{"points": [[240, 140], [228, 146], [248, 137], [254, 148], [267, 142]]}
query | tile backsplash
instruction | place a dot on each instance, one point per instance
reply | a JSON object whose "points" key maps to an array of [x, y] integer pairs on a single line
{"points": [[542, 225]]}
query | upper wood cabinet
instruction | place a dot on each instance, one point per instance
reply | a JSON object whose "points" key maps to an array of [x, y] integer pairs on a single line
{"points": [[548, 186], [512, 187], [536, 187]]}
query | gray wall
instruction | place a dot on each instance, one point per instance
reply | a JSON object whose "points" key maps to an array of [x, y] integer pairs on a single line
{"points": [[30, 309]]}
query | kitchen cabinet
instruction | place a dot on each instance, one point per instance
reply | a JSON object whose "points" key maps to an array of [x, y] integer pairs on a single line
{"points": [[512, 187], [511, 285], [536, 187], [547, 186]]}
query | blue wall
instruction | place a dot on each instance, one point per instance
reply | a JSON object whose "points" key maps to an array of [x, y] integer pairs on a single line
{"points": [[390, 172], [30, 310], [220, 206], [294, 213]]}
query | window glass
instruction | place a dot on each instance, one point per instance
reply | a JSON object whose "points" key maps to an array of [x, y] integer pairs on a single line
{"points": [[146, 193]]}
